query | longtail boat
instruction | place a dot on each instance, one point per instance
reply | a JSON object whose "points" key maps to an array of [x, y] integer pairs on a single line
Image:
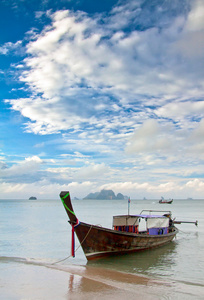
{"points": [[125, 236], [162, 201]]}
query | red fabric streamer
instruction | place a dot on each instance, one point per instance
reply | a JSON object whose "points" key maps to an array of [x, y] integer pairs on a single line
{"points": [[73, 237], [73, 242]]}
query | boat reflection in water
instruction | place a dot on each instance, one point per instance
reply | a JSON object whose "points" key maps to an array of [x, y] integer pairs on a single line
{"points": [[158, 261]]}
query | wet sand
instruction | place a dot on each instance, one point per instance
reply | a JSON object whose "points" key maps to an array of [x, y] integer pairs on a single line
{"points": [[27, 279], [100, 283]]}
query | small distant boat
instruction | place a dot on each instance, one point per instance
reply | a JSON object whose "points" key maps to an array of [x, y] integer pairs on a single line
{"points": [[130, 233], [165, 201], [32, 198]]}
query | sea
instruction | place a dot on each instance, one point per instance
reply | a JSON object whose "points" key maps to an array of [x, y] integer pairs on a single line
{"points": [[35, 260]]}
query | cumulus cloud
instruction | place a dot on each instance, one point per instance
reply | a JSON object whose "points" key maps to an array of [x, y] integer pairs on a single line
{"points": [[198, 133], [150, 138], [195, 184], [125, 90], [24, 169], [195, 20], [92, 171], [82, 69], [154, 191], [164, 144], [181, 110], [9, 47]]}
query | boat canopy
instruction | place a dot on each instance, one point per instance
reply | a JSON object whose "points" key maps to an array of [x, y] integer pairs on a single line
{"points": [[126, 220], [158, 222], [152, 221]]}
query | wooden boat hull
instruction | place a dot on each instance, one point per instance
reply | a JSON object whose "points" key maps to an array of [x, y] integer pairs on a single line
{"points": [[98, 242]]}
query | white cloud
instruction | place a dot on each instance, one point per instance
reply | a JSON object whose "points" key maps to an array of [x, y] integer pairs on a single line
{"points": [[195, 21], [92, 171], [198, 133], [78, 66], [150, 138], [155, 190], [29, 166], [179, 110], [191, 42], [10, 47], [107, 90], [163, 144], [46, 190], [85, 177], [196, 184]]}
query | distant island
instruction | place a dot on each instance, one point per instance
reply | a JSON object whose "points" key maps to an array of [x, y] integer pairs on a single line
{"points": [[106, 195], [32, 198]]}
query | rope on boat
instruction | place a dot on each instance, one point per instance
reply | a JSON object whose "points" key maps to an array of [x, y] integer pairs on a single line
{"points": [[85, 237], [56, 262]]}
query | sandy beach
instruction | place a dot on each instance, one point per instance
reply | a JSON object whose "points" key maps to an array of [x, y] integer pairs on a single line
{"points": [[29, 279], [39, 280], [100, 283]]}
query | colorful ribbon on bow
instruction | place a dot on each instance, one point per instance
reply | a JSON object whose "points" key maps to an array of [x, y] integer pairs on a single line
{"points": [[73, 238]]}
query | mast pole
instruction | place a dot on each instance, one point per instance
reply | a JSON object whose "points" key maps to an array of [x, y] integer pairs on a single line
{"points": [[128, 205]]}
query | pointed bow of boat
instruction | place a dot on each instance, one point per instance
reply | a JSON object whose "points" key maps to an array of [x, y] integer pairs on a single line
{"points": [[66, 200]]}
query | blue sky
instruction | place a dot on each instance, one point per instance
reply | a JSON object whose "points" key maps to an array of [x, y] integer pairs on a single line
{"points": [[102, 94]]}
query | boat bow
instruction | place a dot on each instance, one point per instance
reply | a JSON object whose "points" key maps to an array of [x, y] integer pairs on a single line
{"points": [[66, 200]]}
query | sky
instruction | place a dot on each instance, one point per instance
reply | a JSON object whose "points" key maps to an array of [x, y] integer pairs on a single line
{"points": [[102, 95]]}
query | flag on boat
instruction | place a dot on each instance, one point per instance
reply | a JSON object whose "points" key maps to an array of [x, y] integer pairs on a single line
{"points": [[129, 200]]}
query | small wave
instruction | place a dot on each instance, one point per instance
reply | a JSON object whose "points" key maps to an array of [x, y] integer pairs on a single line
{"points": [[22, 260]]}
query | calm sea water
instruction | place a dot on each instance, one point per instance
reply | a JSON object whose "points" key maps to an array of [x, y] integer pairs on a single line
{"points": [[36, 234]]}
